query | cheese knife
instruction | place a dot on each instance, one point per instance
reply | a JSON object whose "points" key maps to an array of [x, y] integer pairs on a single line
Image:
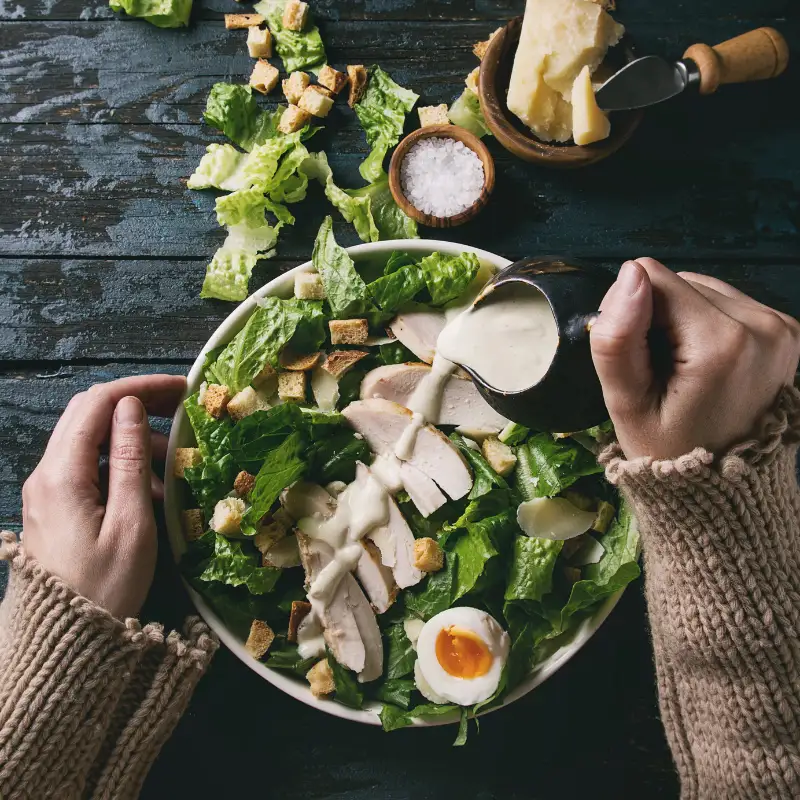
{"points": [[754, 56]]}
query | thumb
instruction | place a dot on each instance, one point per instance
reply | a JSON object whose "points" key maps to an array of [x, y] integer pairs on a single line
{"points": [[620, 350], [129, 490]]}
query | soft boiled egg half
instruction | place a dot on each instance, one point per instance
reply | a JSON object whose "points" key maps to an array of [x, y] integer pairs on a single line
{"points": [[460, 656]]}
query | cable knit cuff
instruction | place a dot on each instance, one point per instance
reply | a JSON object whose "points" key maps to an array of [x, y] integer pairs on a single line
{"points": [[72, 677]]}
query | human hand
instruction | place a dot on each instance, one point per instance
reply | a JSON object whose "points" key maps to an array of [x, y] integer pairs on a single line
{"points": [[725, 361], [104, 549]]}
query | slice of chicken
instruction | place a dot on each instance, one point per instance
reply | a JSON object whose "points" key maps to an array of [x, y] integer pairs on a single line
{"points": [[462, 404], [304, 499], [424, 492], [418, 331], [376, 578], [382, 423]]}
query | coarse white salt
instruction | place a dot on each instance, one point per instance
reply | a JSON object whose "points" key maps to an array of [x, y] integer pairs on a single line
{"points": [[441, 176]]}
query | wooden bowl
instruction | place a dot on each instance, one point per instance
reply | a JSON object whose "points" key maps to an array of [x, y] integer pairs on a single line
{"points": [[441, 132], [517, 138]]}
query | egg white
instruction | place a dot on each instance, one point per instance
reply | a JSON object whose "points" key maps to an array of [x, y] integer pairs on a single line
{"points": [[434, 681]]}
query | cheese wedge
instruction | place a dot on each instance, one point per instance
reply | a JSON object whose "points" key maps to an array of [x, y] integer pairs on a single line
{"points": [[589, 123]]}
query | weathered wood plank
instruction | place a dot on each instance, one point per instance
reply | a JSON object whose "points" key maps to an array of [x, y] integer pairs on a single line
{"points": [[66, 310], [68, 71]]}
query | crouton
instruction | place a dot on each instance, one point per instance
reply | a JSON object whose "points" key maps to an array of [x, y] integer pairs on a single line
{"points": [[244, 483], [269, 534], [500, 456], [332, 79], [216, 399], [264, 77], [295, 85], [357, 73], [316, 100], [300, 610], [259, 43], [472, 80], [267, 372], [433, 115], [309, 286], [428, 555], [292, 386], [237, 21], [193, 524], [320, 676], [292, 119], [260, 639], [605, 516], [186, 457], [349, 331], [339, 362], [479, 48], [228, 514], [299, 363], [246, 402], [295, 15]]}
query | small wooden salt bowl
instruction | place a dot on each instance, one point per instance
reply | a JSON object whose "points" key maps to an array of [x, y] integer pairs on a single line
{"points": [[441, 132]]}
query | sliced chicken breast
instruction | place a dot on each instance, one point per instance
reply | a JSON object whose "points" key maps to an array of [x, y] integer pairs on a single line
{"points": [[462, 404], [304, 499], [376, 579], [382, 423], [424, 492], [418, 331]]}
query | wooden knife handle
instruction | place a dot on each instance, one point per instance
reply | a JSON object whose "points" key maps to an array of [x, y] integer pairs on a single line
{"points": [[753, 56]]}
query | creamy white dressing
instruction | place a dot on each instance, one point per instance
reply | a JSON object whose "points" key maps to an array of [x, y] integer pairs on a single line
{"points": [[509, 339], [310, 641]]}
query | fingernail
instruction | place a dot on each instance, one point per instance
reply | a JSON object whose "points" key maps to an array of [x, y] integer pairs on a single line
{"points": [[129, 412], [630, 278]]}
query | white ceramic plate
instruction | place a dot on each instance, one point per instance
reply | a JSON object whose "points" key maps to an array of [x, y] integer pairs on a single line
{"points": [[182, 436]]}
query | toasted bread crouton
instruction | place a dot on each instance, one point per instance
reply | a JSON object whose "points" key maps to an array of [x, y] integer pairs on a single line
{"points": [[216, 399], [479, 48], [269, 534], [316, 100], [300, 610], [428, 555], [349, 331], [357, 73], [264, 77], [293, 119], [339, 362], [309, 286], [433, 115], [228, 514], [266, 372], [236, 21], [292, 386], [244, 483], [246, 402], [332, 79], [260, 639], [320, 676], [299, 363], [500, 456], [193, 524], [295, 15], [186, 457], [605, 516], [295, 85], [472, 80], [259, 43]]}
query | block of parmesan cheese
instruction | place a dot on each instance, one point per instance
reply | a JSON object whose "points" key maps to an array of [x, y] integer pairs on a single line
{"points": [[558, 39], [589, 123]]}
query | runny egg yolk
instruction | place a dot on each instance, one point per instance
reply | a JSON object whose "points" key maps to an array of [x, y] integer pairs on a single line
{"points": [[462, 653]]}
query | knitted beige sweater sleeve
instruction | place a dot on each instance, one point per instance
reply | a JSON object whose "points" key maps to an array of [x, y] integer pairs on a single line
{"points": [[721, 543], [86, 701]]}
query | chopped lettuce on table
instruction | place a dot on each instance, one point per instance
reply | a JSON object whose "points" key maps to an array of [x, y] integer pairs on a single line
{"points": [[244, 553], [466, 112], [161, 13]]}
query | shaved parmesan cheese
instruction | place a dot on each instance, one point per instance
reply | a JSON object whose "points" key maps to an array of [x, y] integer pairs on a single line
{"points": [[553, 518], [325, 389]]}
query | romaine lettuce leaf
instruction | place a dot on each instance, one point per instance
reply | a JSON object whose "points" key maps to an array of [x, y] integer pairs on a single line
{"points": [[514, 434], [283, 655], [395, 353], [546, 466], [391, 292], [396, 691], [382, 113], [334, 457], [161, 13], [212, 435], [211, 481], [435, 593], [400, 655], [531, 572], [232, 109], [218, 168], [397, 260], [485, 478], [389, 219], [447, 277], [347, 690], [257, 435], [298, 49], [466, 112], [393, 718], [231, 565]]}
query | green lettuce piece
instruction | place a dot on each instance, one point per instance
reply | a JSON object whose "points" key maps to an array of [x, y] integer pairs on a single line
{"points": [[382, 113], [232, 109], [397, 260], [161, 13], [435, 593], [527, 630], [217, 168], [393, 718], [514, 434], [334, 457], [393, 291], [243, 207], [257, 435], [463, 729], [473, 548], [546, 466], [447, 277], [485, 478], [283, 655], [211, 481], [395, 353], [298, 49], [531, 572], [231, 565], [347, 690], [389, 219], [396, 691], [212, 435], [466, 112], [400, 655]]}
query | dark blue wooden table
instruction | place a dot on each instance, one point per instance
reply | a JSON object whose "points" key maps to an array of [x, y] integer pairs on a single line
{"points": [[102, 254]]}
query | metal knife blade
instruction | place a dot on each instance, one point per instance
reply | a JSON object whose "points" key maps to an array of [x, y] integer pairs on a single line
{"points": [[645, 82]]}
